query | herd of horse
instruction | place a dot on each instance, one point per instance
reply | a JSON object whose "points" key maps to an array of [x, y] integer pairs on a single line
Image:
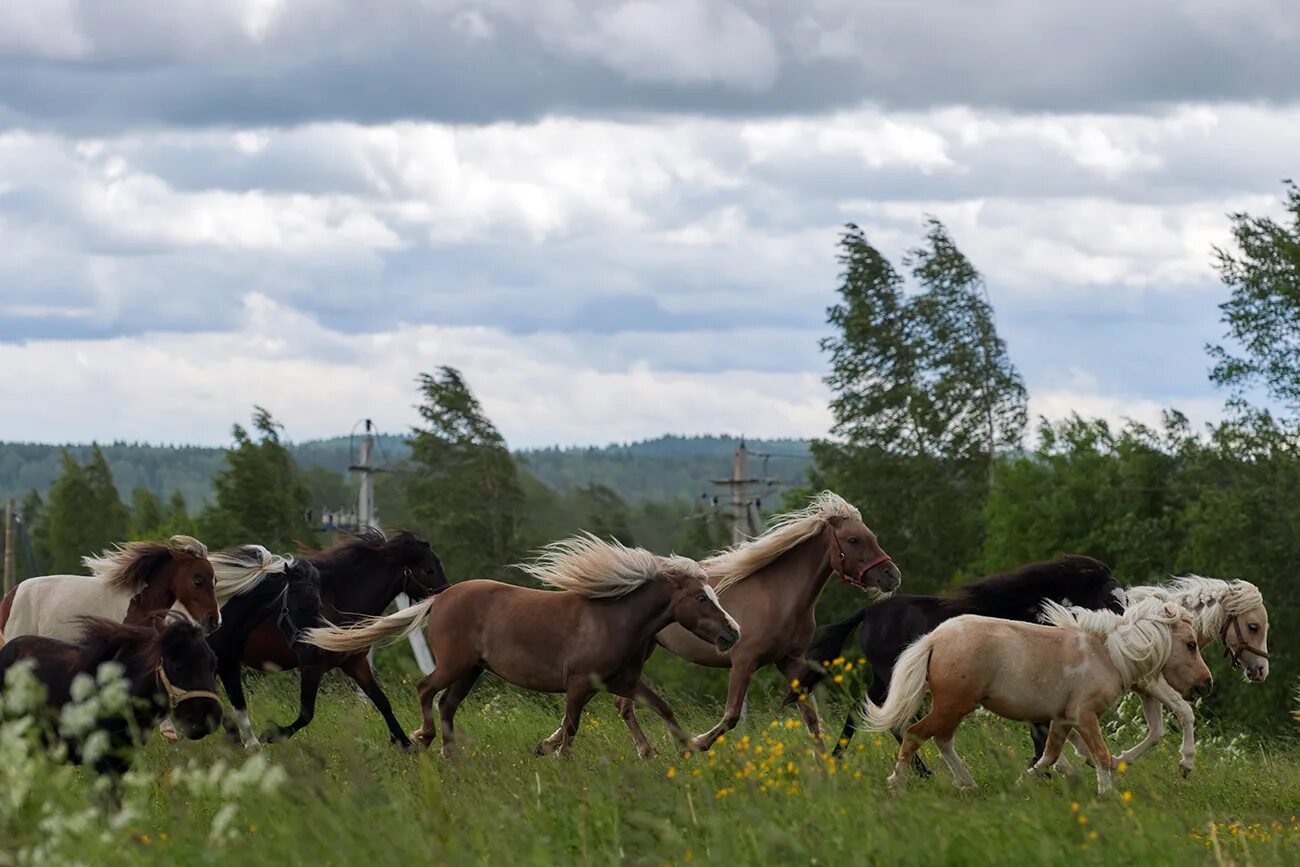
{"points": [[1053, 644]]}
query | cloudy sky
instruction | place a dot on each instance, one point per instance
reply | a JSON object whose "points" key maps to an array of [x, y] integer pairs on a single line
{"points": [[617, 217]]}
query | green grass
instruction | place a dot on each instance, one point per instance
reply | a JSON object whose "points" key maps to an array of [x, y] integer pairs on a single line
{"points": [[351, 798]]}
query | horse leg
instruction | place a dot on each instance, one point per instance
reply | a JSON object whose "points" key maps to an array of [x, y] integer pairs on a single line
{"points": [[449, 701], [661, 707], [1187, 722], [580, 692], [741, 672], [1057, 732], [792, 668], [627, 710], [228, 671], [945, 715], [358, 668], [308, 686], [878, 691], [1153, 711], [1090, 729]]}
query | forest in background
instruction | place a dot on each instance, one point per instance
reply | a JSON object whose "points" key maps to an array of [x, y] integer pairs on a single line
{"points": [[930, 440]]}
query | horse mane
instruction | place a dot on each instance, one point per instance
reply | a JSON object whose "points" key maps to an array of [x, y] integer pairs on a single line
{"points": [[103, 640], [1210, 601], [402, 547], [1025, 583], [592, 567], [130, 566], [239, 570], [1139, 641], [738, 562]]}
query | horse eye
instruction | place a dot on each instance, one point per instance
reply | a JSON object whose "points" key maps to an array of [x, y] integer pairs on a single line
{"points": [[703, 597], [1253, 627], [853, 540], [198, 581], [1191, 645]]}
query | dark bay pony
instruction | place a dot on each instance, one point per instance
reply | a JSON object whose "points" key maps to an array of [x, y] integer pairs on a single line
{"points": [[126, 585], [167, 666], [590, 635], [360, 576], [256, 585], [770, 585], [888, 627]]}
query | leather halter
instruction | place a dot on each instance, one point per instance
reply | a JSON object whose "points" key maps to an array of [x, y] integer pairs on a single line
{"points": [[839, 570], [178, 695], [1242, 644], [284, 617]]}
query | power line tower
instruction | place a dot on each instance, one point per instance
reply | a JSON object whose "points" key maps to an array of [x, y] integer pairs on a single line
{"points": [[366, 518], [744, 522], [10, 573]]}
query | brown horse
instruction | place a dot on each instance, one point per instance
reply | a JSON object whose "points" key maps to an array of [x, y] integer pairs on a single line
{"points": [[770, 585], [1070, 672], [359, 577], [127, 584], [591, 635]]}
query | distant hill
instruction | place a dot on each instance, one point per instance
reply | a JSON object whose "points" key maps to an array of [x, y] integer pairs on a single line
{"points": [[665, 468]]}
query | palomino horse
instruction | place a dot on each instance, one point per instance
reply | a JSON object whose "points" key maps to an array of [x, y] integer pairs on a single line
{"points": [[770, 585], [359, 577], [890, 626], [1070, 672], [590, 635], [1228, 611], [166, 665], [126, 585], [254, 585]]}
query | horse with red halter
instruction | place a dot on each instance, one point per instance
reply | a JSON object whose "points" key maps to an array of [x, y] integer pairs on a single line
{"points": [[770, 586], [360, 576], [166, 664], [590, 635], [127, 584]]}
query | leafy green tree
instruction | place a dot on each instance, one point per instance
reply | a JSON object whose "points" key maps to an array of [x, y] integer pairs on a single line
{"points": [[463, 487], [260, 497], [602, 511], [177, 520], [84, 515], [146, 514], [1263, 313]]}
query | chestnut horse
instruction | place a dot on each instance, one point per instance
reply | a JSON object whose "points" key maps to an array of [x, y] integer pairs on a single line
{"points": [[590, 635], [770, 585], [360, 576], [166, 664], [1069, 672], [1232, 612], [126, 585]]}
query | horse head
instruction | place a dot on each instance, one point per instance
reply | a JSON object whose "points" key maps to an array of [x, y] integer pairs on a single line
{"points": [[192, 581]]}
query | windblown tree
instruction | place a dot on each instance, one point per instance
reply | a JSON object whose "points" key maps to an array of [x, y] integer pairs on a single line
{"points": [[924, 396], [463, 486], [84, 513], [260, 497], [1263, 313]]}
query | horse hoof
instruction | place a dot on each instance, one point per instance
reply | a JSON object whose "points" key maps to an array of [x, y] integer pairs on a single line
{"points": [[1186, 770], [419, 738], [696, 745], [540, 749], [645, 752]]}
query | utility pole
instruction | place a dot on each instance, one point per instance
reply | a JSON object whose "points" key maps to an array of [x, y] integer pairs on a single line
{"points": [[366, 519], [741, 525], [10, 572]]}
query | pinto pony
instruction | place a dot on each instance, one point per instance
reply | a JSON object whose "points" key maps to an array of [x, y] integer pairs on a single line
{"points": [[591, 633], [166, 664], [770, 584], [1231, 612], [1069, 672], [888, 627], [126, 585]]}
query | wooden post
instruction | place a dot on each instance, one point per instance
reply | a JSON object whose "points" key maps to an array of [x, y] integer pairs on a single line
{"points": [[10, 573]]}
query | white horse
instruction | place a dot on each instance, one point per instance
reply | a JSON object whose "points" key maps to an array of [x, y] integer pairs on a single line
{"points": [[1070, 673], [1232, 612], [125, 585]]}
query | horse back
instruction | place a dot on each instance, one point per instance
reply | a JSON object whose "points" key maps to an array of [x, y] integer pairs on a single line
{"points": [[894, 623], [50, 605], [54, 660]]}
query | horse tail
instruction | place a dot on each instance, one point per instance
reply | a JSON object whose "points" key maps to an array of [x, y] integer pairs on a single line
{"points": [[370, 630], [826, 644], [906, 689]]}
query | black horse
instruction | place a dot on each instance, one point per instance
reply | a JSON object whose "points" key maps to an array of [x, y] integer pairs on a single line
{"points": [[167, 666], [292, 600], [888, 627], [360, 577]]}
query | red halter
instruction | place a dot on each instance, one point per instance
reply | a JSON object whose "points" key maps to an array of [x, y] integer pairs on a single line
{"points": [[867, 567]]}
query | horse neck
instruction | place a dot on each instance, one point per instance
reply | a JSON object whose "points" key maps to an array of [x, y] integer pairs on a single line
{"points": [[157, 593], [646, 610], [360, 587], [799, 575]]}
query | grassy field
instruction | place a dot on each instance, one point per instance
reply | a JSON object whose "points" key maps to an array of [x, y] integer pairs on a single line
{"points": [[759, 797]]}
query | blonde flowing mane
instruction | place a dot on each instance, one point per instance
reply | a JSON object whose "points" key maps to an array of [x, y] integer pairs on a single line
{"points": [[129, 566], [597, 569], [1210, 600], [793, 528], [1139, 641], [239, 570]]}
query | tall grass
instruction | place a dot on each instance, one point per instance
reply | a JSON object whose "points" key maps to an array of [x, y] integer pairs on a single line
{"points": [[761, 796]]}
